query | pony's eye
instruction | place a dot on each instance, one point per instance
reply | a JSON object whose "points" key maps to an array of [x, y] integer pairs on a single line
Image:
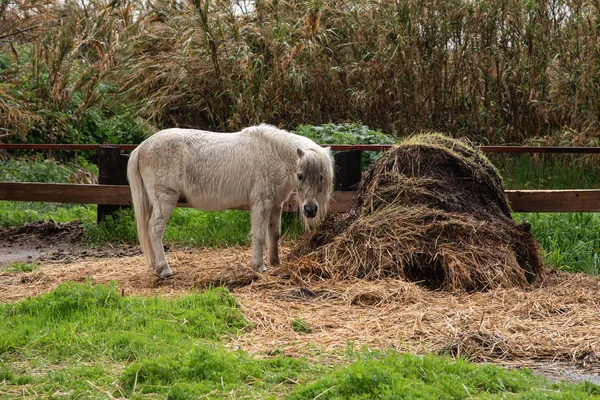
{"points": [[300, 176]]}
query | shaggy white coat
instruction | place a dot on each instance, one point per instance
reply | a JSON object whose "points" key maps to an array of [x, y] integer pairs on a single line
{"points": [[258, 167]]}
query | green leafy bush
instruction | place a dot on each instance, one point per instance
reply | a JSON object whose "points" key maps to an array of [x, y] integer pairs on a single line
{"points": [[48, 171], [115, 126], [347, 134]]}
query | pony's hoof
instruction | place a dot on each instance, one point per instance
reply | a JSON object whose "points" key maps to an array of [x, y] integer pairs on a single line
{"points": [[165, 273], [260, 268]]}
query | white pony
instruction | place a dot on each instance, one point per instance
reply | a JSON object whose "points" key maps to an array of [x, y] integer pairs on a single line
{"points": [[258, 167]]}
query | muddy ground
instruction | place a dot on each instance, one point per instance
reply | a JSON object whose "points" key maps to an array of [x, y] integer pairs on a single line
{"points": [[552, 327], [50, 242]]}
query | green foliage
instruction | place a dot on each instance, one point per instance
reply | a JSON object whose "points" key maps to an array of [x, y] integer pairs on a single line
{"points": [[347, 134], [111, 126], [48, 171], [556, 171], [5, 61], [344, 134], [394, 376]]}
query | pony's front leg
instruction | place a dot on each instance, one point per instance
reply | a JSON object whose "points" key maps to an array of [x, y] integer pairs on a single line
{"points": [[274, 235], [260, 220]]}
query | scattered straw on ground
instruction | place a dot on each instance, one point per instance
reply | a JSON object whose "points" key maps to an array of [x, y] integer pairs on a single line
{"points": [[556, 320]]}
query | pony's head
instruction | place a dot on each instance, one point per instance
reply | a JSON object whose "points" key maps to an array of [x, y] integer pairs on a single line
{"points": [[315, 181]]}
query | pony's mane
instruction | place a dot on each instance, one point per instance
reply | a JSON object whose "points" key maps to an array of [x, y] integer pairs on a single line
{"points": [[290, 142], [281, 138]]}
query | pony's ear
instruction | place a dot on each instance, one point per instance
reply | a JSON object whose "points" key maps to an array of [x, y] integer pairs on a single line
{"points": [[327, 149], [300, 152]]}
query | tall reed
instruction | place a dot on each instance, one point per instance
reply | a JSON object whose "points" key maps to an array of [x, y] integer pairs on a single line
{"points": [[495, 70], [498, 71]]}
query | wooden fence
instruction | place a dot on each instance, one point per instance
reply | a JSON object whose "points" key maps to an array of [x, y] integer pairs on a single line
{"points": [[112, 190]]}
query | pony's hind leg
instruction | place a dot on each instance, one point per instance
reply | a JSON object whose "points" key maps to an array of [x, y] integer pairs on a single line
{"points": [[274, 235], [260, 220], [162, 208]]}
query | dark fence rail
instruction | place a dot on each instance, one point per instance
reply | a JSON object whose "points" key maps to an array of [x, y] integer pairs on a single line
{"points": [[587, 200], [336, 147], [112, 192]]}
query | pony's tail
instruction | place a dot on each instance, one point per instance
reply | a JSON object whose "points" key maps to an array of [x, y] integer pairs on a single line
{"points": [[141, 205]]}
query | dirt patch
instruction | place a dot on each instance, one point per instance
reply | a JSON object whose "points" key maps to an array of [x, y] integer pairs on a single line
{"points": [[554, 321], [48, 242]]}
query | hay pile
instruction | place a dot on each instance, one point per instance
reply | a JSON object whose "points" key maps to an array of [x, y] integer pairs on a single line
{"points": [[432, 210]]}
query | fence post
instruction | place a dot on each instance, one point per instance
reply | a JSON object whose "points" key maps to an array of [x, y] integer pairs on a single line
{"points": [[112, 170], [347, 170]]}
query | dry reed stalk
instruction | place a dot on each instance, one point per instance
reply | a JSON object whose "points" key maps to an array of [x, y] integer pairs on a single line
{"points": [[494, 71], [497, 72]]}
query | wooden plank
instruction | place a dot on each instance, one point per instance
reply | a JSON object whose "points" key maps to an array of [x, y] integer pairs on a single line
{"points": [[65, 193], [521, 200], [336, 147], [554, 200], [540, 149], [115, 194], [40, 146], [340, 202]]}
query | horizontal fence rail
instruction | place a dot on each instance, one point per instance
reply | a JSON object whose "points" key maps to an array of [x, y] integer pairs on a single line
{"points": [[336, 147], [113, 191], [521, 200]]}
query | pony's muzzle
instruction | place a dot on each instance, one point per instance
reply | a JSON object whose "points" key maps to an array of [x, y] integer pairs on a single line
{"points": [[310, 209]]}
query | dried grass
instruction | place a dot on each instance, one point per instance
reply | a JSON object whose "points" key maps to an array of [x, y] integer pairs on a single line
{"points": [[433, 210], [556, 320]]}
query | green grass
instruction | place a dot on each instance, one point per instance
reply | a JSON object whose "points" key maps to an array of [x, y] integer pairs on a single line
{"points": [[191, 227], [22, 267], [15, 213], [186, 226], [555, 171], [89, 341], [41, 169], [15, 170], [405, 376], [571, 241]]}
